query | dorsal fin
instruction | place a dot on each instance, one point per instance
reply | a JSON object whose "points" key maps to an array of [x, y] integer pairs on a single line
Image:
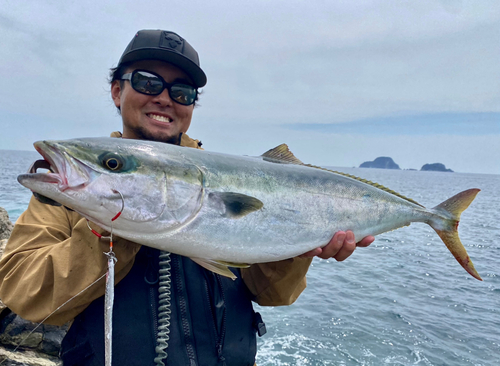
{"points": [[379, 186], [281, 154]]}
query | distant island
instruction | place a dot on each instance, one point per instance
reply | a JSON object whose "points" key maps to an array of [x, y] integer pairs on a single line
{"points": [[382, 162], [385, 162], [436, 167]]}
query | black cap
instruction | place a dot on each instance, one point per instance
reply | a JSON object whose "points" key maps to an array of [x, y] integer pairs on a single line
{"points": [[166, 46]]}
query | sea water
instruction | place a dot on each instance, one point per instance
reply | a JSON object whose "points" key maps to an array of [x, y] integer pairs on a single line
{"points": [[404, 300]]}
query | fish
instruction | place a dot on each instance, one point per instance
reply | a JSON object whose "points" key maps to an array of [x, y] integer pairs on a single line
{"points": [[225, 210]]}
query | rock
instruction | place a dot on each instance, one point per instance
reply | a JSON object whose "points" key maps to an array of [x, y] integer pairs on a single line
{"points": [[27, 358], [3, 243], [52, 338], [39, 348], [382, 162], [5, 224], [2, 308], [436, 167], [42, 339], [17, 331]]}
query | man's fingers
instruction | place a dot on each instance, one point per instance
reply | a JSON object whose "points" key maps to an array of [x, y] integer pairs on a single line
{"points": [[340, 247], [348, 247], [311, 253], [333, 247], [366, 241]]}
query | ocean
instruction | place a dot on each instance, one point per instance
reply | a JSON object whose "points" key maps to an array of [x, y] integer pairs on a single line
{"points": [[404, 300]]}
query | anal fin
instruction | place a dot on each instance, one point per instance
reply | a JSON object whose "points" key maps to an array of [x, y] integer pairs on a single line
{"points": [[219, 267]]}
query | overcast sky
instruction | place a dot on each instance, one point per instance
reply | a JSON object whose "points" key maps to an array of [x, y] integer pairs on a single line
{"points": [[341, 82]]}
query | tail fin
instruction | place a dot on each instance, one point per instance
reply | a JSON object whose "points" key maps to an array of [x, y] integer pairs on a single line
{"points": [[446, 227]]}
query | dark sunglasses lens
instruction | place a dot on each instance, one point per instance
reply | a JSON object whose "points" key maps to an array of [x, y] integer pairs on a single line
{"points": [[146, 83], [183, 94]]}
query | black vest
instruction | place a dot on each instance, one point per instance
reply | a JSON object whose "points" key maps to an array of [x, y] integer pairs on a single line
{"points": [[212, 320]]}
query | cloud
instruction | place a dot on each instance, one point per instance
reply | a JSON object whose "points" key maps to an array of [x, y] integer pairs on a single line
{"points": [[463, 124], [327, 68]]}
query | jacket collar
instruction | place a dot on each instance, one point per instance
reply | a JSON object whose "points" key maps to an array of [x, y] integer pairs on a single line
{"points": [[185, 140]]}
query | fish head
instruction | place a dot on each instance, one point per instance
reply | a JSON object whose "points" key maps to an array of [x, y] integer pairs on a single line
{"points": [[101, 177]]}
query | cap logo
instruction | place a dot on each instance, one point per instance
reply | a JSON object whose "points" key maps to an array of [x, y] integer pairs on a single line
{"points": [[171, 40]]}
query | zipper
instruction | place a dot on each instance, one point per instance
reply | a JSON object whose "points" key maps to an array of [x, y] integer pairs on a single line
{"points": [[154, 312], [219, 337], [209, 302], [218, 345], [152, 291], [183, 310], [220, 342]]}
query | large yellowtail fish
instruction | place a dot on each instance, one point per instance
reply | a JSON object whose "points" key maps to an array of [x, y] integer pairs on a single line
{"points": [[224, 210]]}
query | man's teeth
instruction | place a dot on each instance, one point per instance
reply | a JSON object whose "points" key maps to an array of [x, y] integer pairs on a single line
{"points": [[159, 118]]}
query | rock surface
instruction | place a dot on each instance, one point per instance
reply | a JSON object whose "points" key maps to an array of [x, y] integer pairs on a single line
{"points": [[39, 344], [382, 162], [5, 224], [27, 358], [436, 167]]}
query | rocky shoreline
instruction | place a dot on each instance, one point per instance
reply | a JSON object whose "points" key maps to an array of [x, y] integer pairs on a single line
{"points": [[40, 348]]}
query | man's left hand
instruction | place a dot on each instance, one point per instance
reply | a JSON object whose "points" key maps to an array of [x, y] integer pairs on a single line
{"points": [[340, 247]]}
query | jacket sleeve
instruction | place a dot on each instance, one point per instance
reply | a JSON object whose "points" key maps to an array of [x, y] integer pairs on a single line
{"points": [[277, 283], [50, 257]]}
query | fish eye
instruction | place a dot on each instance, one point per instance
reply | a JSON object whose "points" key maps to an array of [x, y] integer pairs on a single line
{"points": [[112, 162]]}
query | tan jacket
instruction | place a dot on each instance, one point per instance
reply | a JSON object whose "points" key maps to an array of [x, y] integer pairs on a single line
{"points": [[52, 255]]}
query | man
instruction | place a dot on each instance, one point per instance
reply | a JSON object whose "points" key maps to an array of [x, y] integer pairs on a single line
{"points": [[52, 255]]}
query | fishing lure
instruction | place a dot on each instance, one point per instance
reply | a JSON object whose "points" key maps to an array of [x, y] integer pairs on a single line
{"points": [[109, 293]]}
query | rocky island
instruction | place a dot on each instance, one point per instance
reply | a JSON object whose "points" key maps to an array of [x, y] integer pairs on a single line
{"points": [[436, 167], [381, 162]]}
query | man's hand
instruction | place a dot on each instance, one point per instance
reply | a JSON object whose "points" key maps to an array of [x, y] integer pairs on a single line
{"points": [[340, 247]]}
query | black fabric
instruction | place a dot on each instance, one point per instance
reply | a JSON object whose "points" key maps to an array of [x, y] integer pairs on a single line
{"points": [[211, 322], [155, 44]]}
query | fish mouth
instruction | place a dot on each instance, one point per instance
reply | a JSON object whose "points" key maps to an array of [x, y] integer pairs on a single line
{"points": [[64, 169]]}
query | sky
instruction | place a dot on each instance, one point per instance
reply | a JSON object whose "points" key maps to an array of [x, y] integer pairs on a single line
{"points": [[341, 82]]}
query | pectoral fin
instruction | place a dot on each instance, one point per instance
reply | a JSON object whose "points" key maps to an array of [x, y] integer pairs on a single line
{"points": [[219, 267], [236, 205]]}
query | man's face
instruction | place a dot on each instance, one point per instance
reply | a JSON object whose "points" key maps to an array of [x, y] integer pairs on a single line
{"points": [[152, 117]]}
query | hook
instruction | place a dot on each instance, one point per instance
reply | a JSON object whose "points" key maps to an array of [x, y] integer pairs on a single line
{"points": [[123, 204], [110, 237]]}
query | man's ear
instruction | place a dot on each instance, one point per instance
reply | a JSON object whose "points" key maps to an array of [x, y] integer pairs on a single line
{"points": [[116, 92]]}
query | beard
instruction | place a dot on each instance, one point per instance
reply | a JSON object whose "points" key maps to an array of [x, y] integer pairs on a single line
{"points": [[144, 134]]}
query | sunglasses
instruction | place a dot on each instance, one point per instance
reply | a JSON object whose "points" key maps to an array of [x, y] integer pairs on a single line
{"points": [[149, 83]]}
